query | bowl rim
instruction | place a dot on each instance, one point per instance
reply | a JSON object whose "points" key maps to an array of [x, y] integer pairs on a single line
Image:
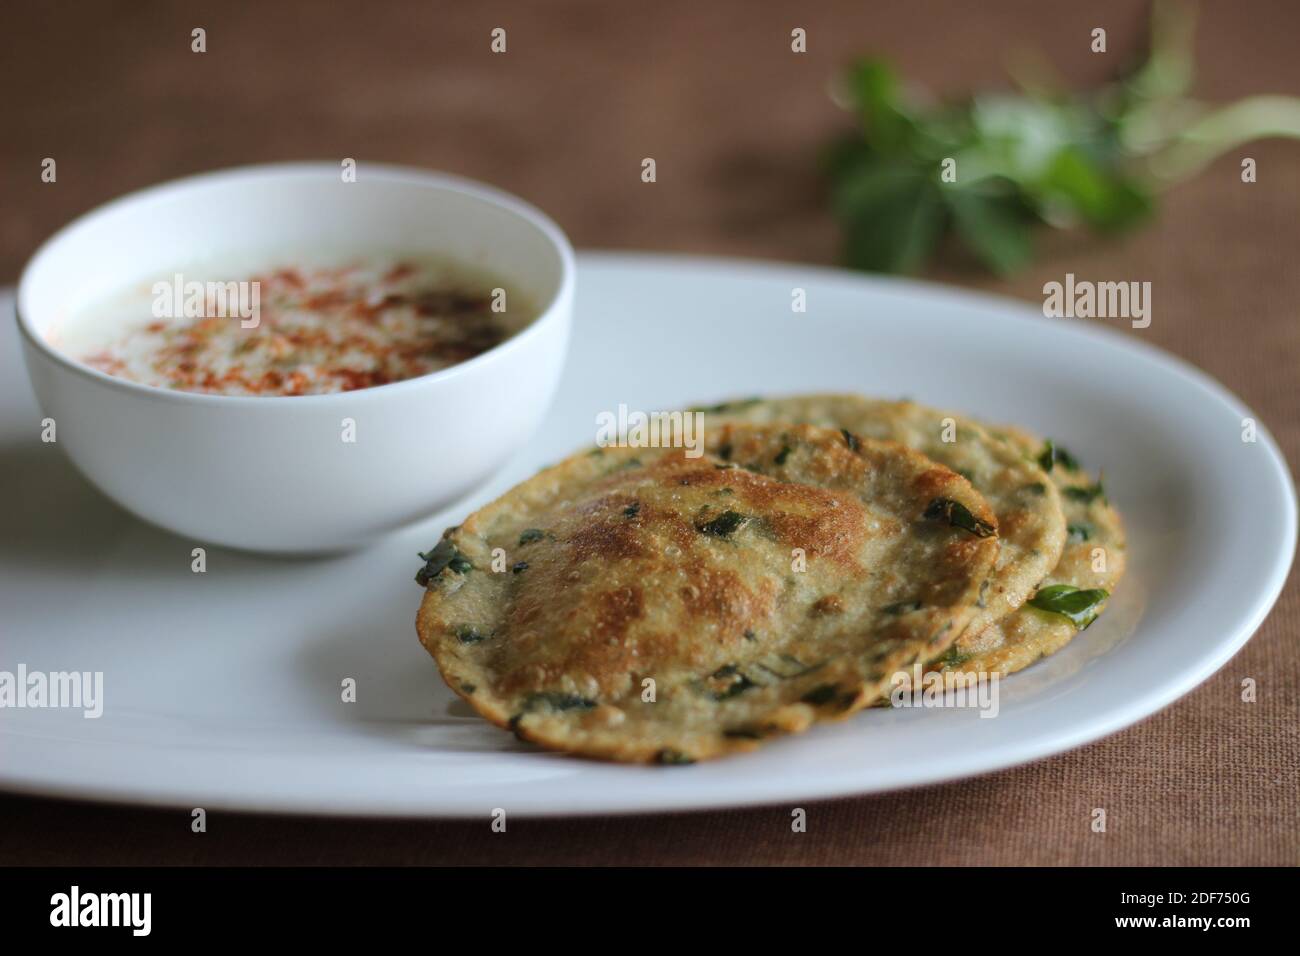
{"points": [[550, 313]]}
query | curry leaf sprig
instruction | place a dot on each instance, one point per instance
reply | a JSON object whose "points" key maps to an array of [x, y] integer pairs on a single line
{"points": [[989, 170]]}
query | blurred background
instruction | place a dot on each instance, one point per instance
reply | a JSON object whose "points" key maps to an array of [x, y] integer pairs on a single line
{"points": [[734, 119], [737, 123], [738, 126]]}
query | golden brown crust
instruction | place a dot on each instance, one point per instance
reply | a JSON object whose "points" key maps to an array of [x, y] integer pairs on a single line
{"points": [[1043, 537], [753, 593], [1094, 557], [1031, 522]]}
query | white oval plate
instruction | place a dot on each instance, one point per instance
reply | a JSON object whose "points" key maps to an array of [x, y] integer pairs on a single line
{"points": [[222, 689]]}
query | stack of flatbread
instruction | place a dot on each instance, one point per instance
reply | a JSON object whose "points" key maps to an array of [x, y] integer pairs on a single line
{"points": [[671, 605]]}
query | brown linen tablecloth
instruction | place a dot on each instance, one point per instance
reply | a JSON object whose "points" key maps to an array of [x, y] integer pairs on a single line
{"points": [[733, 119]]}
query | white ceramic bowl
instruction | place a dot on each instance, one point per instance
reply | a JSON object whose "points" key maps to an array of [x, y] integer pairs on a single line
{"points": [[274, 473]]}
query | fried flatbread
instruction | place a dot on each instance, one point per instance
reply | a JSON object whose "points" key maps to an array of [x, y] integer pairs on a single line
{"points": [[1031, 522], [1093, 561], [649, 606]]}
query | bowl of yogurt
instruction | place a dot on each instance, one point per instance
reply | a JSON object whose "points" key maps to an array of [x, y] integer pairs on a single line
{"points": [[297, 358]]}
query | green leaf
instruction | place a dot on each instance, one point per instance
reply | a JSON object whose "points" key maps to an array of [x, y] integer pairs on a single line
{"points": [[958, 515], [468, 634], [1080, 607], [873, 87], [992, 227], [556, 701], [843, 156], [442, 555], [1086, 494], [724, 525], [1017, 137], [729, 682], [1053, 453], [1101, 198], [726, 406], [1077, 533], [893, 216], [952, 658]]}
